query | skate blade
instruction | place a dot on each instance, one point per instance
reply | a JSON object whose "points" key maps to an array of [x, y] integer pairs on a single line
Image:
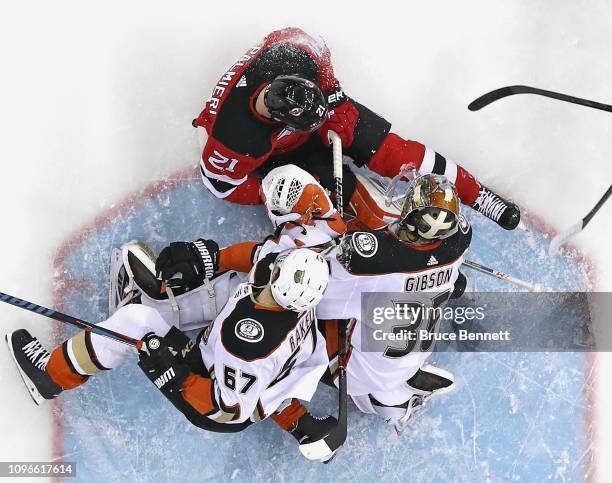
{"points": [[34, 394]]}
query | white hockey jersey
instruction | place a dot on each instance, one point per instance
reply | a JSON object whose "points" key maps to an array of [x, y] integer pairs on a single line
{"points": [[376, 261], [260, 357]]}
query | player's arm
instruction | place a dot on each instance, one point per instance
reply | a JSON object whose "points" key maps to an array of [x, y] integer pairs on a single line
{"points": [[226, 174], [342, 114], [303, 426], [200, 397], [185, 265], [192, 394], [315, 206]]}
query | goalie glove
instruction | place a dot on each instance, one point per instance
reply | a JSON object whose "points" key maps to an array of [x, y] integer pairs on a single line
{"points": [[185, 265]]}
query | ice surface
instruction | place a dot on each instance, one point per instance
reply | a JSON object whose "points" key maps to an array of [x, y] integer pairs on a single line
{"points": [[512, 417], [97, 101]]}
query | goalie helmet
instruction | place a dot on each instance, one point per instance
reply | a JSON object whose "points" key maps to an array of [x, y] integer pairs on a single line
{"points": [[299, 279], [283, 186], [297, 102], [431, 207]]}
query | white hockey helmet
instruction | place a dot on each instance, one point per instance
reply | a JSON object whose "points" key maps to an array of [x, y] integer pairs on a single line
{"points": [[299, 279], [283, 186]]}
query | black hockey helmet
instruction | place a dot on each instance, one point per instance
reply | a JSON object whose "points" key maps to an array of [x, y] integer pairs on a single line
{"points": [[297, 102]]}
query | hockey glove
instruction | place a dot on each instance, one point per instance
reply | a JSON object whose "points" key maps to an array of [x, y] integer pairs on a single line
{"points": [[160, 366], [309, 429], [342, 120], [185, 265]]}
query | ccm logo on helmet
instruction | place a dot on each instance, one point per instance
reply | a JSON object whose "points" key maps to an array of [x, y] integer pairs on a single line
{"points": [[249, 330]]}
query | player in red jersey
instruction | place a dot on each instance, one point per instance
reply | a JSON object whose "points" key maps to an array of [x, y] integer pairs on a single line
{"points": [[275, 105]]}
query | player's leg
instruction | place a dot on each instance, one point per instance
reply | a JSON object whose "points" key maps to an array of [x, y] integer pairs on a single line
{"points": [[71, 364], [385, 152], [399, 405], [132, 274]]}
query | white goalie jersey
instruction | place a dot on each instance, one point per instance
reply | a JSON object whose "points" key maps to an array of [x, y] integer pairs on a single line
{"points": [[377, 261]]}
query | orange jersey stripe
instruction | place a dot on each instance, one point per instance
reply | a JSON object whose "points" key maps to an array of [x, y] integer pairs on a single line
{"points": [[237, 257], [59, 370]]}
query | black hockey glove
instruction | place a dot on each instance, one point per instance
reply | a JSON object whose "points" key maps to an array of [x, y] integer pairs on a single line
{"points": [[161, 367], [185, 265], [309, 428]]}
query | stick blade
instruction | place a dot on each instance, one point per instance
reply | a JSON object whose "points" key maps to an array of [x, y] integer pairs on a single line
{"points": [[562, 237], [495, 95], [316, 451]]}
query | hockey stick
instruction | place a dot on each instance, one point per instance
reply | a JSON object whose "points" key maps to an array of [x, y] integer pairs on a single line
{"points": [[336, 143], [497, 94], [533, 287], [67, 319], [336, 437], [562, 237]]}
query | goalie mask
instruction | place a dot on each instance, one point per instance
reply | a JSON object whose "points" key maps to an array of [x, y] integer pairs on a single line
{"points": [[299, 279], [431, 207], [282, 187]]}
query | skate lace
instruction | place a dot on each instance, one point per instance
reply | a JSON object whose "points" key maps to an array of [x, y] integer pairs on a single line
{"points": [[37, 354], [490, 205]]}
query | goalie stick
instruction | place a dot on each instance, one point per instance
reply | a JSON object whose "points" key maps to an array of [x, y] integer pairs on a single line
{"points": [[502, 92], [321, 448], [566, 234], [68, 319]]}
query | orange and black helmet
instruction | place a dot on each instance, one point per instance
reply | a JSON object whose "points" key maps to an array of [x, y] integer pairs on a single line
{"points": [[431, 207]]}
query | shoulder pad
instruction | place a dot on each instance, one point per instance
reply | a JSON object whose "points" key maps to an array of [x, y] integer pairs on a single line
{"points": [[463, 237], [379, 252], [250, 333], [262, 270]]}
